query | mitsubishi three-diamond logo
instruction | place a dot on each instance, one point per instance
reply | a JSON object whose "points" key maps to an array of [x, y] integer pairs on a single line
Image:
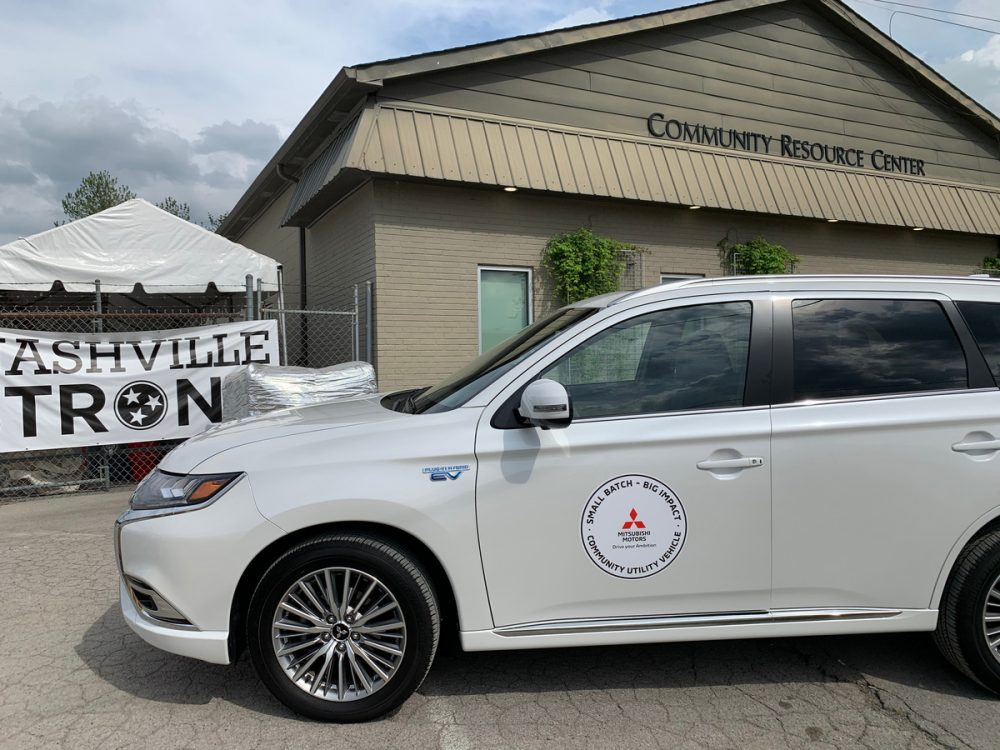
{"points": [[140, 405]]}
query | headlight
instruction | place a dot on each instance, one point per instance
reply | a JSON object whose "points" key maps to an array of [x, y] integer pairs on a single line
{"points": [[162, 490]]}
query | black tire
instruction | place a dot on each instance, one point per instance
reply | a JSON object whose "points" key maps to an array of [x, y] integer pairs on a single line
{"points": [[960, 633], [404, 579]]}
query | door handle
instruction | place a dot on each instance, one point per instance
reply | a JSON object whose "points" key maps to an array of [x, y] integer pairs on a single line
{"points": [[744, 462], [976, 446]]}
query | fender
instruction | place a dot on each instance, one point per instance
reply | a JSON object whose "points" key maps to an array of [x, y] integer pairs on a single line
{"points": [[974, 528], [466, 580]]}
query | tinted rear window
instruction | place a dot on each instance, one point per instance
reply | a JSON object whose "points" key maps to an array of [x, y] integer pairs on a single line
{"points": [[983, 319], [869, 347]]}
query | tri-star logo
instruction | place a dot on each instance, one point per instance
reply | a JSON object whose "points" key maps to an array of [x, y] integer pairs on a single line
{"points": [[141, 405]]}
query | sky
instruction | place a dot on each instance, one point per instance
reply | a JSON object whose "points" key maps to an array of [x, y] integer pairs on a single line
{"points": [[191, 99]]}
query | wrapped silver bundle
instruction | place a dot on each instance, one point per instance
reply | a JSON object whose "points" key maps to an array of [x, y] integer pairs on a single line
{"points": [[258, 389]]}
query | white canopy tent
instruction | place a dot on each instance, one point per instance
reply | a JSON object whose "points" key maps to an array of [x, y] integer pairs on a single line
{"points": [[134, 243]]}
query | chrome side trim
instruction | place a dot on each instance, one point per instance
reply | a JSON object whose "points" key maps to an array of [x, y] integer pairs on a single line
{"points": [[881, 397], [658, 622]]}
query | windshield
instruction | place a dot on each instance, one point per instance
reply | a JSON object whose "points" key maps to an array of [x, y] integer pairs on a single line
{"points": [[487, 367]]}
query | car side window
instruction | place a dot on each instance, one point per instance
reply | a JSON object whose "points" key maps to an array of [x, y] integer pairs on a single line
{"points": [[869, 347], [983, 319], [672, 360]]}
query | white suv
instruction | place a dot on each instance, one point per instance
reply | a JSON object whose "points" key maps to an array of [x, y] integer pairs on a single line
{"points": [[728, 458]]}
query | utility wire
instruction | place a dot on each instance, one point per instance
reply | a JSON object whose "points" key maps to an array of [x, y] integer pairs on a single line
{"points": [[928, 18], [939, 10]]}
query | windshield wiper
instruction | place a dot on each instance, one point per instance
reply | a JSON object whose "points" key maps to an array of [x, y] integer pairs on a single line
{"points": [[410, 403]]}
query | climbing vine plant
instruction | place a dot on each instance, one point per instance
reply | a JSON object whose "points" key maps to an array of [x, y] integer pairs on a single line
{"points": [[584, 264], [758, 256]]}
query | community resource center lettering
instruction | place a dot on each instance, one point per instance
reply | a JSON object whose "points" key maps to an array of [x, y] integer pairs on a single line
{"points": [[784, 145]]}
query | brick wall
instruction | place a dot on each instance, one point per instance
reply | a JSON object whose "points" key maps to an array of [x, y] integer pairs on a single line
{"points": [[431, 239]]}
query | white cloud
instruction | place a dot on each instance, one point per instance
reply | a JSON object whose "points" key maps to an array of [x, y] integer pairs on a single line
{"points": [[988, 55], [47, 147], [191, 98], [977, 72]]}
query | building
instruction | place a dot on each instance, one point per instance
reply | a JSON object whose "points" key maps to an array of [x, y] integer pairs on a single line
{"points": [[440, 177]]}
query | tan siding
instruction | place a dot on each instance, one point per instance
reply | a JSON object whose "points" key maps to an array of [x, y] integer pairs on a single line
{"points": [[776, 70], [432, 239], [266, 236]]}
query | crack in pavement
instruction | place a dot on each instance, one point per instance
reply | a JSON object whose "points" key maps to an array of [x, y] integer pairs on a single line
{"points": [[877, 695]]}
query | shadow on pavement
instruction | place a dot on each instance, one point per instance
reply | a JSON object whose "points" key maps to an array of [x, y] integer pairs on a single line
{"points": [[907, 659], [121, 658], [118, 656]]}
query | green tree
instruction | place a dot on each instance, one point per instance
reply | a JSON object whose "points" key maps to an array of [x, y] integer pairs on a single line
{"points": [[172, 206], [97, 191], [214, 221], [584, 264]]}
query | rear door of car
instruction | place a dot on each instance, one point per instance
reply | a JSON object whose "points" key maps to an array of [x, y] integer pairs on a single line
{"points": [[885, 422]]}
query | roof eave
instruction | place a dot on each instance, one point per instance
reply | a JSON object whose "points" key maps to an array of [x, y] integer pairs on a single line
{"points": [[546, 40], [336, 101]]}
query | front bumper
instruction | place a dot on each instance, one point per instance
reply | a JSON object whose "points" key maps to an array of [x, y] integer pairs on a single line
{"points": [[211, 645], [190, 561]]}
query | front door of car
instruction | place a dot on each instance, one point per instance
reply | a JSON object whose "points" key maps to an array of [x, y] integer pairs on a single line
{"points": [[656, 499]]}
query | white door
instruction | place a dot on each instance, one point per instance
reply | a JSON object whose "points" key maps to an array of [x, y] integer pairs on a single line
{"points": [[656, 499], [879, 461]]}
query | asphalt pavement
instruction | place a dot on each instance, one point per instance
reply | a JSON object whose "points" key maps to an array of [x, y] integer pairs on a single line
{"points": [[72, 675]]}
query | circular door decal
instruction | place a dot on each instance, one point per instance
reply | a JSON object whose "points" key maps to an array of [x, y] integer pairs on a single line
{"points": [[633, 526]]}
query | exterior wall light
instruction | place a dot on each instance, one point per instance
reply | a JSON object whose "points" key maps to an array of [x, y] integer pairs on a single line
{"points": [[694, 208], [510, 189], [832, 221], [918, 229]]}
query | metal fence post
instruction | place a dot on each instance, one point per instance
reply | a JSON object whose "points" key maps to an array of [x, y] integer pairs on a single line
{"points": [[249, 281], [357, 329], [260, 299], [283, 360], [98, 308], [368, 322]]}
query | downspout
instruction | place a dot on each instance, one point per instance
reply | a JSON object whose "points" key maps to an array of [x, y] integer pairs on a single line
{"points": [[303, 295]]}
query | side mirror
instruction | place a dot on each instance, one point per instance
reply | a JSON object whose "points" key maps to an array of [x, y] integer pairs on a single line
{"points": [[546, 404]]}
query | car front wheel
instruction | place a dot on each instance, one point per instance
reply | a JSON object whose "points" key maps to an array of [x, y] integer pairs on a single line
{"points": [[343, 628]]}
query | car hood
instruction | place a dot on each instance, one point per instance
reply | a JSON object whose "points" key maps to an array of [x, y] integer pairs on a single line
{"points": [[278, 424]]}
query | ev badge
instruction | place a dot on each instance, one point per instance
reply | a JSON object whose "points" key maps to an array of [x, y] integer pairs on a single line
{"points": [[140, 405]]}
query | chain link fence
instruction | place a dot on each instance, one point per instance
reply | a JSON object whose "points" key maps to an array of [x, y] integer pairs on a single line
{"points": [[307, 337], [334, 329]]}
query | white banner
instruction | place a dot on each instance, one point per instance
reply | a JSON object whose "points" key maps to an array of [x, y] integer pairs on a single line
{"points": [[69, 389]]}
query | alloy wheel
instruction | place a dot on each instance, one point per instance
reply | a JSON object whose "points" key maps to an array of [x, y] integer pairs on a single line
{"points": [[339, 634]]}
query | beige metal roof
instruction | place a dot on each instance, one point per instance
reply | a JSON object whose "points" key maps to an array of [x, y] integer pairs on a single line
{"points": [[467, 148], [323, 170]]}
